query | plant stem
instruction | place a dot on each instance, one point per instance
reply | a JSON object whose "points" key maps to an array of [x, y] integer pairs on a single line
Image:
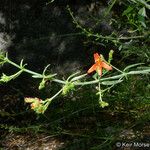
{"points": [[56, 94], [110, 7], [122, 75], [25, 70], [99, 88]]}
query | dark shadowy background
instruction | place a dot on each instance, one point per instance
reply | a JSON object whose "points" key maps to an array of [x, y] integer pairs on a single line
{"points": [[43, 33]]}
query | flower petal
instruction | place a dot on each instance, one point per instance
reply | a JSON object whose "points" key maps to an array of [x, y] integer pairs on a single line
{"points": [[99, 70], [93, 68], [106, 66], [96, 57]]}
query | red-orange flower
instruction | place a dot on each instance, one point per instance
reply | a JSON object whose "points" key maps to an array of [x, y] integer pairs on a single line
{"points": [[99, 65]]}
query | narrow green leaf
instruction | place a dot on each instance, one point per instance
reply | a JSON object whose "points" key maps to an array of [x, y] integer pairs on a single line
{"points": [[140, 72], [72, 75], [78, 77], [127, 11], [133, 65], [142, 12]]}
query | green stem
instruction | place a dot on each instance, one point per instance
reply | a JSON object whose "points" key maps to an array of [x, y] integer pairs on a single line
{"points": [[98, 36], [59, 81], [102, 79], [144, 3], [48, 100], [99, 88], [56, 94], [123, 74], [32, 72], [117, 69], [25, 70], [119, 38], [110, 7]]}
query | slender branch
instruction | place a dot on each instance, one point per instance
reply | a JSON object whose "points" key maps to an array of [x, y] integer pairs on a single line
{"points": [[122, 75], [25, 70], [89, 33], [100, 92], [56, 94], [110, 7], [146, 71]]}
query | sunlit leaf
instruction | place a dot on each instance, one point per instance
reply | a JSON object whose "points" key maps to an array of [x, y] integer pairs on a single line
{"points": [[133, 65], [142, 12], [127, 11]]}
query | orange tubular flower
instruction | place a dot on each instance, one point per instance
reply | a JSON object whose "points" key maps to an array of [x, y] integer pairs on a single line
{"points": [[99, 65]]}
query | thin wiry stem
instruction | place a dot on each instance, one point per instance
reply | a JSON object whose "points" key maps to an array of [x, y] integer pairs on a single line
{"points": [[79, 83]]}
